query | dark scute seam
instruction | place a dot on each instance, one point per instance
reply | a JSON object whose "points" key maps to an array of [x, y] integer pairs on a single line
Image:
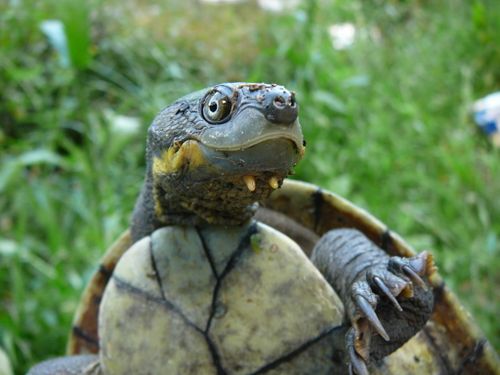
{"points": [[121, 284], [438, 292], [318, 202], [96, 300], [244, 243], [105, 272], [386, 240], [210, 344], [215, 355], [155, 269], [208, 254], [444, 364], [472, 357], [295, 352], [80, 333]]}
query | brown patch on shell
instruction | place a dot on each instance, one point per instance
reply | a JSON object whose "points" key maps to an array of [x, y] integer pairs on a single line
{"points": [[85, 319]]}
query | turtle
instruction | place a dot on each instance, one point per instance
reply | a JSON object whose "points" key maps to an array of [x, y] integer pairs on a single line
{"points": [[229, 267]]}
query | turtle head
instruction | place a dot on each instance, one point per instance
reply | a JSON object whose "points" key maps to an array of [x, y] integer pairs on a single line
{"points": [[214, 153]]}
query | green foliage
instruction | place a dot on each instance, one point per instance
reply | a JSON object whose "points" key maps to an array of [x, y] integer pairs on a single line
{"points": [[387, 123]]}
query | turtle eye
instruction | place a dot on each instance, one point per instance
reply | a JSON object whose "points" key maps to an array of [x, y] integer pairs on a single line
{"points": [[217, 107]]}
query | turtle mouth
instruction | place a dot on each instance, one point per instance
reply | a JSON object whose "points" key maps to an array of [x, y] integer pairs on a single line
{"points": [[268, 154], [221, 186], [258, 167], [250, 172], [275, 135]]}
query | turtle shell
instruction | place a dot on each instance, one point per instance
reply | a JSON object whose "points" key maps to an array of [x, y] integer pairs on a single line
{"points": [[450, 343], [214, 300]]}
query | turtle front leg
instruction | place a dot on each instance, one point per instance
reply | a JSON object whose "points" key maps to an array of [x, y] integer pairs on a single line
{"points": [[86, 364], [386, 299]]}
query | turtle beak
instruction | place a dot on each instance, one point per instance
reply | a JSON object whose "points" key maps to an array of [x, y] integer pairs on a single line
{"points": [[251, 127]]}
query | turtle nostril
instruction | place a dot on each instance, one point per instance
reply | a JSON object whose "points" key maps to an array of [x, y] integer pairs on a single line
{"points": [[280, 106], [279, 102]]}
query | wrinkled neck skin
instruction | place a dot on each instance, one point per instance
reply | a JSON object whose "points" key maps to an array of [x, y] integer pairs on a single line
{"points": [[175, 199]]}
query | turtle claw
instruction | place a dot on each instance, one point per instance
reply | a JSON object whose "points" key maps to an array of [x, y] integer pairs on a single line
{"points": [[385, 290], [357, 364], [394, 279], [413, 268], [414, 276], [384, 297], [371, 316]]}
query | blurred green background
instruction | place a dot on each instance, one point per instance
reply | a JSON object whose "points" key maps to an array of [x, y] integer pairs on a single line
{"points": [[387, 122]]}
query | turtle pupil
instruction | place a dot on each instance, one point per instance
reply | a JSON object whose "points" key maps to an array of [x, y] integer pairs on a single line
{"points": [[213, 106]]}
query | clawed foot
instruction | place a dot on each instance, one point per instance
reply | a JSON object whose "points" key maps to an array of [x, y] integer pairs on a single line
{"points": [[357, 364], [389, 303]]}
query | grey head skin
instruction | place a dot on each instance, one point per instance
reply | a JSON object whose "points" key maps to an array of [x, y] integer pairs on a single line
{"points": [[214, 153]]}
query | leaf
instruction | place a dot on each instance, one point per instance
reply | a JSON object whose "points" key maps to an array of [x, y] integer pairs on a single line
{"points": [[7, 247], [5, 367], [491, 243], [14, 165], [122, 125], [70, 34], [361, 80], [54, 31], [40, 156], [330, 100], [76, 19], [478, 15]]}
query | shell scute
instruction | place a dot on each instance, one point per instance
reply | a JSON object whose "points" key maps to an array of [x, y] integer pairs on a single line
{"points": [[184, 272], [275, 302], [140, 329]]}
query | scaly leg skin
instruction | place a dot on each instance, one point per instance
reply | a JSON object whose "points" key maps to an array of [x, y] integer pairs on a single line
{"points": [[386, 298], [86, 364]]}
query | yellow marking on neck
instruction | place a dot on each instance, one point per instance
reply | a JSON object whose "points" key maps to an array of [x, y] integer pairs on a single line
{"points": [[158, 208], [187, 156], [176, 158]]}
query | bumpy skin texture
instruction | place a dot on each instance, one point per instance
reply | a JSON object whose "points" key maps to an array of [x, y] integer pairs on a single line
{"points": [[74, 365], [177, 121], [368, 282]]}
